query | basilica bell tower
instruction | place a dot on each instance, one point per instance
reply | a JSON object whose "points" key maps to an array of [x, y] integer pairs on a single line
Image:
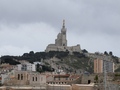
{"points": [[61, 37]]}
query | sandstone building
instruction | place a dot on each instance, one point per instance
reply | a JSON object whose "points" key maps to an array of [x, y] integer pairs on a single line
{"points": [[99, 66], [61, 43], [63, 79], [25, 78]]}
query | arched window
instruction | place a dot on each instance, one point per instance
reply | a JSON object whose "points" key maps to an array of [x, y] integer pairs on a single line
{"points": [[36, 78], [18, 76], [63, 44], [33, 78], [21, 76]]}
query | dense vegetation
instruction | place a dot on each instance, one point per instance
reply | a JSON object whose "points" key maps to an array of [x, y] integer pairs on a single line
{"points": [[42, 68], [9, 59], [32, 57]]}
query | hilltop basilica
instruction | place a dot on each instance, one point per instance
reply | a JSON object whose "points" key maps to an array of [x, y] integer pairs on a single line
{"points": [[61, 43]]}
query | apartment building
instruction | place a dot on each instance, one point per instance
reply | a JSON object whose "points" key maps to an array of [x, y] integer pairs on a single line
{"points": [[100, 64]]}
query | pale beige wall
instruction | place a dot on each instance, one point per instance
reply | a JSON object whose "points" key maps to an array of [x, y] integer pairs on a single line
{"points": [[24, 80], [76, 87], [27, 78], [59, 87], [98, 66], [38, 79]]}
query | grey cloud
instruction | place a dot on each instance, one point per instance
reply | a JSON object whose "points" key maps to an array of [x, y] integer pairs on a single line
{"points": [[81, 15], [88, 20], [25, 37]]}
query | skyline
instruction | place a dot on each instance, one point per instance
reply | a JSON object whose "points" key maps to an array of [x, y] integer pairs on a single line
{"points": [[30, 25]]}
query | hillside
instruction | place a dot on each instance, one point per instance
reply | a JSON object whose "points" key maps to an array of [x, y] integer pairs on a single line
{"points": [[75, 62]]}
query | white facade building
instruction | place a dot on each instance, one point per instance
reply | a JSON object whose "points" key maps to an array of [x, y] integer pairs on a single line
{"points": [[109, 66], [27, 67], [6, 76], [3, 77], [37, 63]]}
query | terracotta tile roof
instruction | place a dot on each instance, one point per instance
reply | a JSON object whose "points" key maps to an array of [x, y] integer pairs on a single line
{"points": [[62, 76], [74, 76]]}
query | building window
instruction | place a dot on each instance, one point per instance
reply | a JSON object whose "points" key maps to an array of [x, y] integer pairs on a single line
{"points": [[36, 78], [21, 76], [18, 76], [33, 78]]}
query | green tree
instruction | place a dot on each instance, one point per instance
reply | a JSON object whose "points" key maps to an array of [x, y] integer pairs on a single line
{"points": [[96, 78], [110, 53], [84, 51], [38, 68], [105, 53], [31, 53]]}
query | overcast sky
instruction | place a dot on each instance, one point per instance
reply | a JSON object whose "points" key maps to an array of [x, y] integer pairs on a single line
{"points": [[30, 25]]}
